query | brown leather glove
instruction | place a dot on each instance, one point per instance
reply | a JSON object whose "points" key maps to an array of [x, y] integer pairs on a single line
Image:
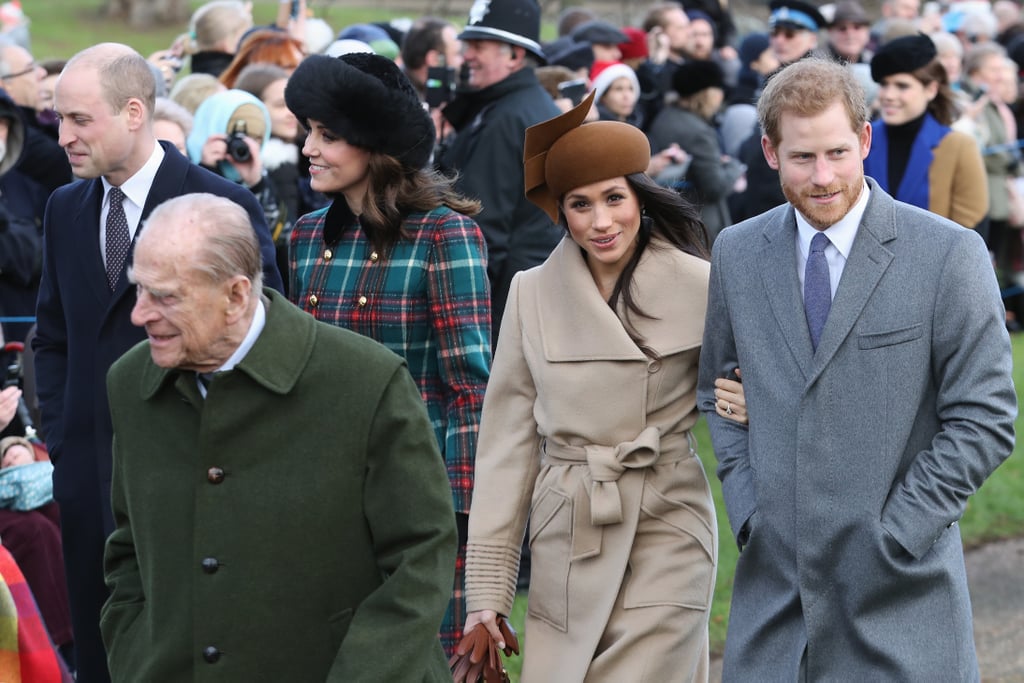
{"points": [[477, 656]]}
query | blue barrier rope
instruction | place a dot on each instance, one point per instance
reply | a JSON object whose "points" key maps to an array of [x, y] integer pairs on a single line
{"points": [[18, 319]]}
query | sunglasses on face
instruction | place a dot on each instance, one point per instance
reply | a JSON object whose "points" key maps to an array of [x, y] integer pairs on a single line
{"points": [[784, 32]]}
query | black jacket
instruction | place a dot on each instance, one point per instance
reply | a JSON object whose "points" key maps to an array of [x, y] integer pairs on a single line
{"points": [[487, 153]]}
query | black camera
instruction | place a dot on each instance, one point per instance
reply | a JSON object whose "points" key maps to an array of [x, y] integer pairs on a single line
{"points": [[12, 376], [238, 147], [440, 85]]}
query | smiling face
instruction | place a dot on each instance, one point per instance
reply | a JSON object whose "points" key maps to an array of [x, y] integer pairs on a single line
{"points": [[335, 166], [820, 161], [183, 312], [604, 219], [98, 140], [489, 61], [903, 98]]}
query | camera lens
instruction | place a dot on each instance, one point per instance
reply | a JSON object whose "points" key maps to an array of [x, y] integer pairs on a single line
{"points": [[238, 148]]}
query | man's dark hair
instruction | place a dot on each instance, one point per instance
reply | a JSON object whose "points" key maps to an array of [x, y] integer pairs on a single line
{"points": [[422, 37]]}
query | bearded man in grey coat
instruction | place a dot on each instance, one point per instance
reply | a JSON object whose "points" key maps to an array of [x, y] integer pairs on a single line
{"points": [[875, 362]]}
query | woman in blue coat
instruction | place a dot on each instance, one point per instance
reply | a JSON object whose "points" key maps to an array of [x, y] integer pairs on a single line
{"points": [[915, 156]]}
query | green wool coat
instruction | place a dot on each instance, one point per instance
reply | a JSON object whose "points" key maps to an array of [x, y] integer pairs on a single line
{"points": [[297, 525]]}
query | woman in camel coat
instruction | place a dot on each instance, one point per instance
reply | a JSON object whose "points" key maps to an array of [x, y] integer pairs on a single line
{"points": [[585, 428]]}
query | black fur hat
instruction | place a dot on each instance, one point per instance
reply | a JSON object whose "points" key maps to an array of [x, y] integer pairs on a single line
{"points": [[366, 100], [692, 77]]}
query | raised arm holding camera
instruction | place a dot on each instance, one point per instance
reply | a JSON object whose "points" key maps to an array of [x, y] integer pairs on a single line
{"points": [[227, 137]]}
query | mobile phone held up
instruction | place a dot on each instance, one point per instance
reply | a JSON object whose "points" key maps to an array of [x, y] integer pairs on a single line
{"points": [[440, 85], [575, 90]]}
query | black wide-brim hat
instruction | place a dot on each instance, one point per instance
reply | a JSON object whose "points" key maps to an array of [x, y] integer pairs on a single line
{"points": [[516, 22], [367, 101]]}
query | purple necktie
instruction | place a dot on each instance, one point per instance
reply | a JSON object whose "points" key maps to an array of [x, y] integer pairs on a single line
{"points": [[817, 288]]}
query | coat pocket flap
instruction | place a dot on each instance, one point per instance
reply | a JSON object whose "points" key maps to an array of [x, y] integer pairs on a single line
{"points": [[876, 340]]}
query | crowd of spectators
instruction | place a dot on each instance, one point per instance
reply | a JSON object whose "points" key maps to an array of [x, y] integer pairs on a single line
{"points": [[687, 74]]}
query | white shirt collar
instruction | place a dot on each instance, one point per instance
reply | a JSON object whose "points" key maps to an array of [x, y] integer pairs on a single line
{"points": [[259, 319], [137, 187], [841, 234]]}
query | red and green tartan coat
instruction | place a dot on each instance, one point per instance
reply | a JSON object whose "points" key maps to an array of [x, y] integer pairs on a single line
{"points": [[428, 300]]}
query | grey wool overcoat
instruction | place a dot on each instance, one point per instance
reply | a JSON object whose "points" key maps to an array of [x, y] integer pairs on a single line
{"points": [[860, 457]]}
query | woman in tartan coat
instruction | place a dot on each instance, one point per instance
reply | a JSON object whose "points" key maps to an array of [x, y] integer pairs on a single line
{"points": [[395, 256]]}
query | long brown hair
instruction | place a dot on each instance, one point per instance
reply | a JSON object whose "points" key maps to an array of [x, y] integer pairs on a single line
{"points": [[943, 106], [394, 191]]}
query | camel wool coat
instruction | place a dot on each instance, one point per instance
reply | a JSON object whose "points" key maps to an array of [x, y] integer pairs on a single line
{"points": [[589, 438]]}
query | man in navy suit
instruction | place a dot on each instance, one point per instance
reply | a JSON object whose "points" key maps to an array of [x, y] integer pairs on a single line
{"points": [[104, 99]]}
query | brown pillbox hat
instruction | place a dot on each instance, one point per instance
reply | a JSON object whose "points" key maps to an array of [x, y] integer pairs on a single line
{"points": [[564, 153]]}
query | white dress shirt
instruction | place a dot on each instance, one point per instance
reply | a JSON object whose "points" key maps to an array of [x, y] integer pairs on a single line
{"points": [[840, 237], [136, 190]]}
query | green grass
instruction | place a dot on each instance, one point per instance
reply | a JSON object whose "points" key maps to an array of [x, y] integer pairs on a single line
{"points": [[995, 512], [60, 28]]}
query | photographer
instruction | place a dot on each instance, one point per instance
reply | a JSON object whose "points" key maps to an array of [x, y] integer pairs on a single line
{"points": [[228, 135], [430, 43], [431, 59]]}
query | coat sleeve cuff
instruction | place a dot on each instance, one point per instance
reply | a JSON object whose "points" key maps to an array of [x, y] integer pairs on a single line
{"points": [[491, 572]]}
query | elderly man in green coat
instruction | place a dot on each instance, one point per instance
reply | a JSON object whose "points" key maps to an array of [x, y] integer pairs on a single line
{"points": [[282, 511]]}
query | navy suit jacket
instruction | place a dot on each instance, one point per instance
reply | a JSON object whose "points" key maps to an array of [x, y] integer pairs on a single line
{"points": [[83, 327]]}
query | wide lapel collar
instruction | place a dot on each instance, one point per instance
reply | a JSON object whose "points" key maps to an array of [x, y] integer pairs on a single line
{"points": [[670, 287], [868, 261], [782, 284], [287, 328], [167, 183], [87, 213], [578, 324]]}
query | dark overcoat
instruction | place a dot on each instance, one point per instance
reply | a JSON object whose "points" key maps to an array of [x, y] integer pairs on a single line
{"points": [[297, 525], [487, 153]]}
